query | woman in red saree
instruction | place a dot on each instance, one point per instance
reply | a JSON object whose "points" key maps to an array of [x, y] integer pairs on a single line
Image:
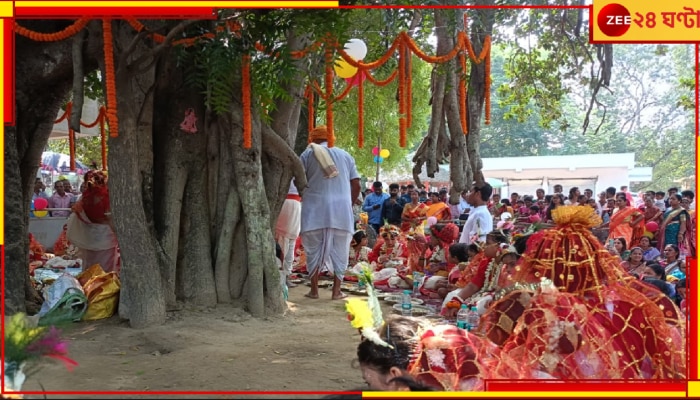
{"points": [[90, 225], [626, 222]]}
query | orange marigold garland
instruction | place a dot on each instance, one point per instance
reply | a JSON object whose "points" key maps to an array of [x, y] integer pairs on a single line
{"points": [[110, 79], [71, 148], [52, 37], [409, 88], [463, 92], [402, 95], [247, 120]]}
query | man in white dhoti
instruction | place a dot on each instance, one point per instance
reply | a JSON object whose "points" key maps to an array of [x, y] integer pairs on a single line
{"points": [[326, 210], [287, 230]]}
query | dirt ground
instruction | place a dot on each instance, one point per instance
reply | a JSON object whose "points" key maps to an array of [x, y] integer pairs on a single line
{"points": [[311, 348]]}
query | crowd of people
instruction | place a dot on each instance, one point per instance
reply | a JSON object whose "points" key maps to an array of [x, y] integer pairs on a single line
{"points": [[88, 228]]}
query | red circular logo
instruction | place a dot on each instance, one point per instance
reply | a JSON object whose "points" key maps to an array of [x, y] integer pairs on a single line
{"points": [[614, 19]]}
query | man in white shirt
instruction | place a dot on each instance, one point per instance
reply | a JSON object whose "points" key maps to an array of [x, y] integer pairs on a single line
{"points": [[480, 221]]}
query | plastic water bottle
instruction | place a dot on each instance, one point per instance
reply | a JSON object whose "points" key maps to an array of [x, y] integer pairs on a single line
{"points": [[472, 319], [416, 284], [463, 317], [406, 305]]}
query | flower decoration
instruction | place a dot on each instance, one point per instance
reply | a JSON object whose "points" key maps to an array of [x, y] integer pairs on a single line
{"points": [[26, 344], [361, 318]]}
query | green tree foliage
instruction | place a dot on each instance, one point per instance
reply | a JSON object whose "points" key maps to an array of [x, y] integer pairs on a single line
{"points": [[642, 115], [382, 121]]}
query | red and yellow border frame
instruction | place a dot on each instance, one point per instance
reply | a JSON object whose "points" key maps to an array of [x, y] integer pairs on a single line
{"points": [[11, 10]]}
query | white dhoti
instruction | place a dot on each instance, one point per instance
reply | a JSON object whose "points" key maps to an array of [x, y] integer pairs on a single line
{"points": [[287, 231], [327, 250]]}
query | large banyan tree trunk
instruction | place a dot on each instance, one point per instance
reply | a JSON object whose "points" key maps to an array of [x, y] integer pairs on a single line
{"points": [[193, 212], [446, 137], [43, 74], [203, 205]]}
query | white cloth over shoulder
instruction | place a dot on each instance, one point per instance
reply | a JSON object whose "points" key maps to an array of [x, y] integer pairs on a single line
{"points": [[326, 203]]}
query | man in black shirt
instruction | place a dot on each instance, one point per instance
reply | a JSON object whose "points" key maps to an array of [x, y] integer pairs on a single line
{"points": [[393, 206]]}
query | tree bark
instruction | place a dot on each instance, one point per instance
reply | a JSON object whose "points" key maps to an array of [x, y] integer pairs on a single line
{"points": [[42, 80], [142, 297]]}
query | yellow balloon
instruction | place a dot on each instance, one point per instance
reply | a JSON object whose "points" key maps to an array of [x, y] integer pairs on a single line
{"points": [[384, 153], [343, 69], [40, 213]]}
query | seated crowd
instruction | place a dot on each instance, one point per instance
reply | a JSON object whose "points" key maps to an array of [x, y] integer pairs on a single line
{"points": [[564, 285]]}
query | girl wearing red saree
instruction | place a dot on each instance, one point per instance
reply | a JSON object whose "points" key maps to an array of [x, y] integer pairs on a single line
{"points": [[90, 225]]}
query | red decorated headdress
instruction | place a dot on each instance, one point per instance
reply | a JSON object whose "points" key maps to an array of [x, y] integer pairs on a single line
{"points": [[448, 234]]}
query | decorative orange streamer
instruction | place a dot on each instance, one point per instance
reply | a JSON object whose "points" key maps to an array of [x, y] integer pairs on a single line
{"points": [[329, 95], [52, 37], [110, 79], [463, 92], [247, 120]]}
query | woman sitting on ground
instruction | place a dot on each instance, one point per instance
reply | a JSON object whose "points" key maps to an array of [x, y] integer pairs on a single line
{"points": [[635, 264], [391, 251], [358, 249], [459, 257], [650, 253]]}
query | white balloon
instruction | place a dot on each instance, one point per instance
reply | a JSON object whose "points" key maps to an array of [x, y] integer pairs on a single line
{"points": [[356, 48]]}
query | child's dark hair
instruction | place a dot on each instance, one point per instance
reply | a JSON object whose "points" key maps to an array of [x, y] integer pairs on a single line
{"points": [[357, 237], [474, 248], [459, 251]]}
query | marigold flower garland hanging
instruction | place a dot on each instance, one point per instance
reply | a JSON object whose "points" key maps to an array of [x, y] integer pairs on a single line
{"points": [[247, 120], [52, 37], [110, 79]]}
